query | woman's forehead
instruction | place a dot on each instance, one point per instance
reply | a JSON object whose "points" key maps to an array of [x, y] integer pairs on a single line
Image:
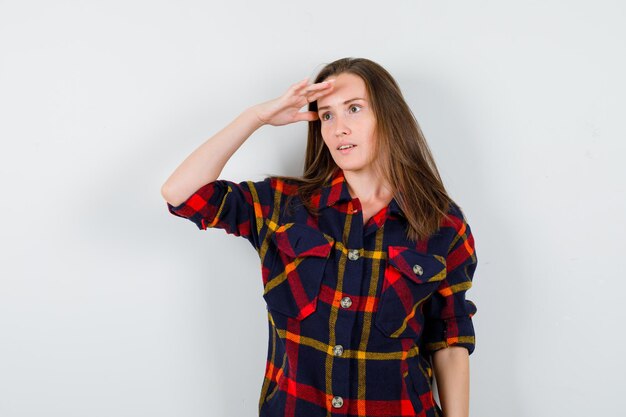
{"points": [[346, 87]]}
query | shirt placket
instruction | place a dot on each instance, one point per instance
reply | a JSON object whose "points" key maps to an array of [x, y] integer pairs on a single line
{"points": [[347, 315]]}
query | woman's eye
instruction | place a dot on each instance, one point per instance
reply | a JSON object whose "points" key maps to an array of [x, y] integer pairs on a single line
{"points": [[327, 116]]}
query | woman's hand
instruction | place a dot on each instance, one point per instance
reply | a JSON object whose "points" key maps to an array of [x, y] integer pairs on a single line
{"points": [[286, 108]]}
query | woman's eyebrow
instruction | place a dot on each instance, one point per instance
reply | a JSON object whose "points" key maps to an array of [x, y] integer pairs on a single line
{"points": [[345, 102]]}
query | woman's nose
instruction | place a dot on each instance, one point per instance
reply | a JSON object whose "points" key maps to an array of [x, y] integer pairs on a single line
{"points": [[340, 127]]}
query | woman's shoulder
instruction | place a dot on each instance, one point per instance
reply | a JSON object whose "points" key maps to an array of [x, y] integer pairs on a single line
{"points": [[458, 226], [454, 223], [454, 210], [287, 185], [456, 213]]}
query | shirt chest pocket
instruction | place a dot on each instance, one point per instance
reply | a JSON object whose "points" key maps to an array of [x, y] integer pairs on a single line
{"points": [[410, 278], [295, 277]]}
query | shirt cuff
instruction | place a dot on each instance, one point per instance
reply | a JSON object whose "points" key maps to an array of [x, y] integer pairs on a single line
{"points": [[454, 331]]}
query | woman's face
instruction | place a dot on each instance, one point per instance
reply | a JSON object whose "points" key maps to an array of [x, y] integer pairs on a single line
{"points": [[347, 117]]}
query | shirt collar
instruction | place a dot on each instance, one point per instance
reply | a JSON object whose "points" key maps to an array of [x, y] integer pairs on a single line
{"points": [[336, 191]]}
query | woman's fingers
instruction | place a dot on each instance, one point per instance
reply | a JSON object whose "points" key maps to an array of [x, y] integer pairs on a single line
{"points": [[303, 89], [313, 91], [319, 94], [319, 86], [307, 116]]}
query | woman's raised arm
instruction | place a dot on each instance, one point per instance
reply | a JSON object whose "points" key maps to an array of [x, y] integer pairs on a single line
{"points": [[205, 164]]}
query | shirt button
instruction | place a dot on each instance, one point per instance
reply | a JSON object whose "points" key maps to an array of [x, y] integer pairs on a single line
{"points": [[338, 350], [337, 401], [418, 269], [353, 254], [346, 302]]}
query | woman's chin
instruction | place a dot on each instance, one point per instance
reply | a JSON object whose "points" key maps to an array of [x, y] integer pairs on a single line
{"points": [[348, 166]]}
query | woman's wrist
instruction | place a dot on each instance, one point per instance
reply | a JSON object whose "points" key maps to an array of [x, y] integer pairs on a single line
{"points": [[253, 113]]}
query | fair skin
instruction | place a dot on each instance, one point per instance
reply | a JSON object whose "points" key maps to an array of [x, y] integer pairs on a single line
{"points": [[352, 122], [451, 368]]}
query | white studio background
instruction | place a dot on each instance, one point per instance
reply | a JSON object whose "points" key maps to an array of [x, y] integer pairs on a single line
{"points": [[111, 306]]}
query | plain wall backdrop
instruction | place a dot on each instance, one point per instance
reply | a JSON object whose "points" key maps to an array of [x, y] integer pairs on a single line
{"points": [[111, 306]]}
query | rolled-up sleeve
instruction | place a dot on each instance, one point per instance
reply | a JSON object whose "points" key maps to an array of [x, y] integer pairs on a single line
{"points": [[448, 314], [238, 208]]}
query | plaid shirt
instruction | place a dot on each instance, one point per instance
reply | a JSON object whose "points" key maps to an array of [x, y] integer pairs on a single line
{"points": [[354, 311]]}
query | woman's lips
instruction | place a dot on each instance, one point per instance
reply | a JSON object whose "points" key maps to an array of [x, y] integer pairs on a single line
{"points": [[346, 150]]}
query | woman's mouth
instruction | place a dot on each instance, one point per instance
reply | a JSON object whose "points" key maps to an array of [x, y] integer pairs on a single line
{"points": [[345, 149]]}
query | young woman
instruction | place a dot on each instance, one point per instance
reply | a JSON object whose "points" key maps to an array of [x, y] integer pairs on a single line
{"points": [[365, 258]]}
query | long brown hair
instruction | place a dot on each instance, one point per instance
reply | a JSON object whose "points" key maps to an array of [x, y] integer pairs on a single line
{"points": [[404, 159]]}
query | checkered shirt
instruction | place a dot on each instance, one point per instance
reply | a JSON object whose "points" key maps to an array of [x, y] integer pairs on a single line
{"points": [[354, 310]]}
